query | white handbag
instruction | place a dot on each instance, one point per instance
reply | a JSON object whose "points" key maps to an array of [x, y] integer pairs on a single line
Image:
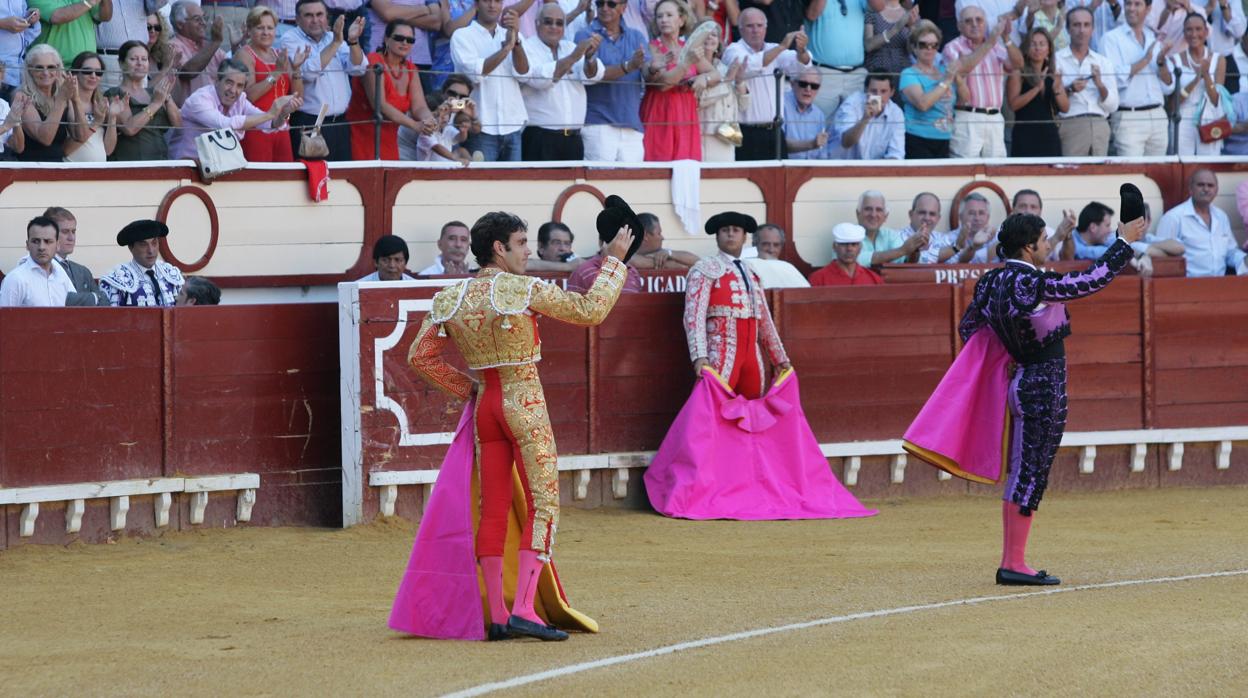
{"points": [[220, 153]]}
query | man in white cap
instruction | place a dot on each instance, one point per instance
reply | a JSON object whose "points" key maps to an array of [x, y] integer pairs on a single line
{"points": [[845, 270]]}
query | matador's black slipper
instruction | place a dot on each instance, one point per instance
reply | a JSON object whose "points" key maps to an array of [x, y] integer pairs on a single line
{"points": [[1012, 578], [518, 626], [498, 631]]}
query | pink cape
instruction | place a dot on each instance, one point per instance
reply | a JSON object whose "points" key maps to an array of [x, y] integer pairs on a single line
{"points": [[964, 427], [729, 457]]}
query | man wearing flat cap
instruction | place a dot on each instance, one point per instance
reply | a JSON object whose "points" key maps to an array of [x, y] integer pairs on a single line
{"points": [[726, 315], [144, 281], [390, 256], [845, 270]]}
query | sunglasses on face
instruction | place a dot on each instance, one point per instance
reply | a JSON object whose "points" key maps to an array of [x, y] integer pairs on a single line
{"points": [[404, 39], [928, 44], [84, 72], [608, 3], [458, 95], [552, 22], [153, 28], [807, 85]]}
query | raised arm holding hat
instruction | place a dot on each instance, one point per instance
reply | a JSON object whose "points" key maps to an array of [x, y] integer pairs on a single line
{"points": [[144, 281], [616, 213]]}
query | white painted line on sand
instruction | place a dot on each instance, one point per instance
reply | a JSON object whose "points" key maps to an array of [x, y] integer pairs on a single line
{"points": [[760, 632]]}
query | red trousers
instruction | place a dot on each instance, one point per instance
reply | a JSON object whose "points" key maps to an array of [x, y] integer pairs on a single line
{"points": [[259, 146], [745, 376], [498, 451]]}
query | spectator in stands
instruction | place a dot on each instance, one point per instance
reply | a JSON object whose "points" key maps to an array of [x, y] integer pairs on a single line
{"points": [[271, 74], [1202, 74], [69, 25], [159, 52], [423, 16], [97, 115], [869, 126], [1237, 142], [1089, 87], [995, 10], [805, 124], [1167, 19], [669, 110], [40, 282], [1139, 126], [1156, 248], [453, 244], [455, 101], [1095, 231], [971, 242], [47, 105], [400, 99], [490, 50], [1029, 201], [128, 23], [613, 128], [760, 60], [928, 94], [773, 271], [12, 135], [554, 242], [1226, 29], [19, 27], [846, 269], [1204, 229], [326, 81], [582, 278], [1034, 100], [652, 254], [390, 256], [838, 48], [225, 105], [454, 15], [195, 50], [722, 96], [887, 38], [144, 134], [287, 13], [1048, 17], [144, 280], [86, 291], [979, 60], [783, 16], [924, 217], [1106, 15], [554, 89], [881, 245], [198, 291]]}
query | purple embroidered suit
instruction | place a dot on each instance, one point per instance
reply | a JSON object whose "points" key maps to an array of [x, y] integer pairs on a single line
{"points": [[1023, 307]]}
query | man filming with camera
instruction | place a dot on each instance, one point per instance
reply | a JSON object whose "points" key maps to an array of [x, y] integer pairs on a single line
{"points": [[869, 125]]}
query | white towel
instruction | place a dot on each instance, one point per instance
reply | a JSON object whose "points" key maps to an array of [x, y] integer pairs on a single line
{"points": [[687, 194]]}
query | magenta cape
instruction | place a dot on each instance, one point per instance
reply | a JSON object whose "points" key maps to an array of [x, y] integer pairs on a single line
{"points": [[729, 457], [964, 427], [441, 595]]}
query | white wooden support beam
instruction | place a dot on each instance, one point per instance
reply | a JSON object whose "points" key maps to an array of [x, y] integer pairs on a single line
{"points": [[898, 471], [160, 507], [619, 483], [246, 500], [389, 495], [580, 483], [1176, 456], [1138, 452], [852, 465], [199, 502], [428, 492], [118, 507], [1087, 460], [943, 475], [1224, 455], [30, 512], [73, 515]]}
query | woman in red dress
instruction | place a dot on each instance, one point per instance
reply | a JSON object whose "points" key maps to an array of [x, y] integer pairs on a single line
{"points": [[271, 74], [669, 109], [402, 102]]}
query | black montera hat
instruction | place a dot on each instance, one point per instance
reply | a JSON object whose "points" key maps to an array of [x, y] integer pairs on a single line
{"points": [[1132, 204], [141, 230], [615, 214], [727, 218]]}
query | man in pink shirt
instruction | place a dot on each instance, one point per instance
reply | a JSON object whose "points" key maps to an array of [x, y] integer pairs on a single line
{"points": [[196, 50], [980, 64], [224, 104]]}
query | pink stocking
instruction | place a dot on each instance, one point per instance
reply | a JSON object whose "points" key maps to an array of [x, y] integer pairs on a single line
{"points": [[526, 586], [1014, 544], [492, 570]]}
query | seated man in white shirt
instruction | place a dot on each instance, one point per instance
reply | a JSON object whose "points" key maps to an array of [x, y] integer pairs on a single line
{"points": [[40, 283], [390, 255], [773, 271], [554, 89], [869, 125], [1204, 229], [453, 244]]}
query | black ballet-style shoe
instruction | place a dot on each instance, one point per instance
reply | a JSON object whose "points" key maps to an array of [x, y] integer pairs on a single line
{"points": [[518, 627], [1012, 578], [498, 631]]}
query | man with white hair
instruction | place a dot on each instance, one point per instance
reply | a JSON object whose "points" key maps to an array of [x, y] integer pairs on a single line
{"points": [[970, 242], [554, 88], [845, 269], [761, 59], [881, 245], [980, 60], [773, 271], [196, 50], [805, 124]]}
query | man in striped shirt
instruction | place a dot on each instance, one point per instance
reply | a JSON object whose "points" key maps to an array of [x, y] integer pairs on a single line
{"points": [[981, 64]]}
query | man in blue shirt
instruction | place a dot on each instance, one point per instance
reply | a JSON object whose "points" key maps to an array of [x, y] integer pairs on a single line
{"points": [[17, 31], [613, 129], [1095, 231], [805, 125], [1204, 229], [836, 45]]}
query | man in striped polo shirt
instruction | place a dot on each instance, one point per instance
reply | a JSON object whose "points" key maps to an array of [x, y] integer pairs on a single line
{"points": [[982, 63]]}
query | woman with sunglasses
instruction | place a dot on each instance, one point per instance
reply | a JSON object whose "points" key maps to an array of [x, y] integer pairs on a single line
{"points": [[669, 109], [97, 115], [928, 94], [152, 109], [1034, 100], [271, 75], [158, 51], [401, 101], [47, 111]]}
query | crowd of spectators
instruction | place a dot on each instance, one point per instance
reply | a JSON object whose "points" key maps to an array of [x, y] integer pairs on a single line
{"points": [[618, 80]]}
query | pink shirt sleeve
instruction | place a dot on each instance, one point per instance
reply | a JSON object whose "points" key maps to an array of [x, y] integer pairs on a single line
{"points": [[1241, 203]]}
